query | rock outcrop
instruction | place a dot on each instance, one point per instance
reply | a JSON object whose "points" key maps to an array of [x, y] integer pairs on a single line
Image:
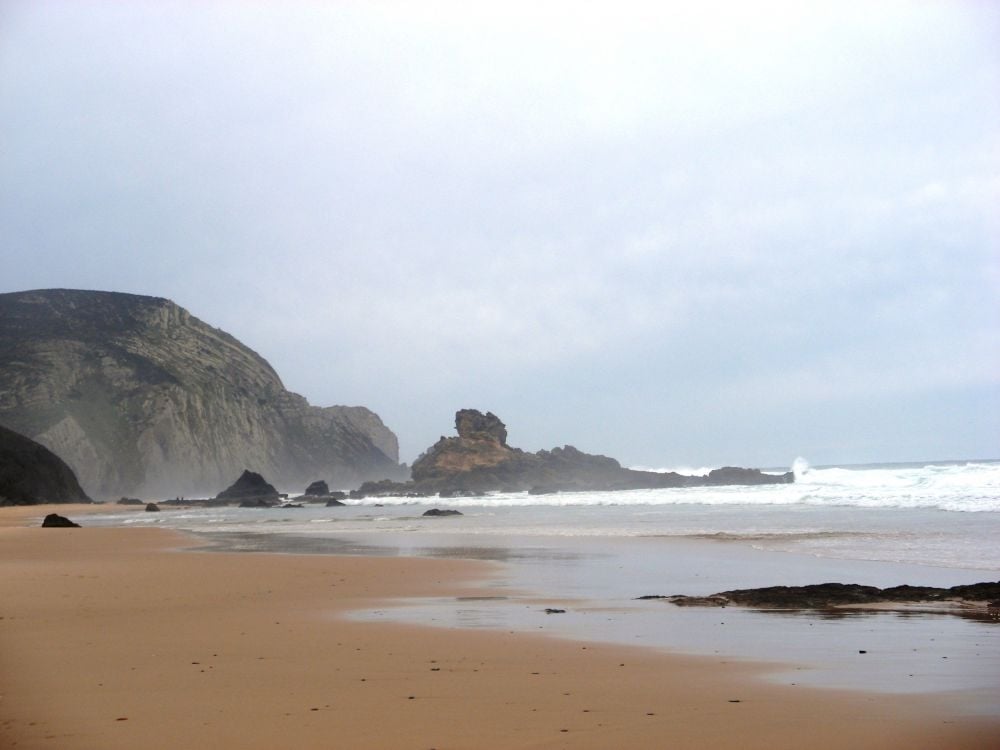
{"points": [[143, 399], [319, 488], [479, 460], [827, 595], [55, 521], [250, 489], [31, 474]]}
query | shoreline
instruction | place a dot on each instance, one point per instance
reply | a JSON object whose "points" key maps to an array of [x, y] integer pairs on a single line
{"points": [[122, 637]]}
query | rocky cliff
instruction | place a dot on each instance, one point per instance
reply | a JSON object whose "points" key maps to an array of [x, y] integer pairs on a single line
{"points": [[30, 473], [479, 460], [140, 397]]}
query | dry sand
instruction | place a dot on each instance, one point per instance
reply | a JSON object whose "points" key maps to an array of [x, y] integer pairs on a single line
{"points": [[126, 638]]}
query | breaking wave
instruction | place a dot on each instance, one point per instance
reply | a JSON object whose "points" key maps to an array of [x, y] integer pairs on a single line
{"points": [[966, 487]]}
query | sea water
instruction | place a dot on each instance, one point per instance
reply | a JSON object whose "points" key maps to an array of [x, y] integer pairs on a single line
{"points": [[594, 553], [944, 514]]}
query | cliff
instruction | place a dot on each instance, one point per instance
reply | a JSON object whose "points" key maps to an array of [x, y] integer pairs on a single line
{"points": [[31, 474], [479, 460], [141, 398]]}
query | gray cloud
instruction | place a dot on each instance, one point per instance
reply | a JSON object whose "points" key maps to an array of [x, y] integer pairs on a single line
{"points": [[668, 234]]}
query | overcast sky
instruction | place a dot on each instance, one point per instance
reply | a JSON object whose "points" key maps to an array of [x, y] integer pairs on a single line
{"points": [[677, 234]]}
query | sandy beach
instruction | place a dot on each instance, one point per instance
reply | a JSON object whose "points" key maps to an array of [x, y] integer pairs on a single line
{"points": [[118, 637]]}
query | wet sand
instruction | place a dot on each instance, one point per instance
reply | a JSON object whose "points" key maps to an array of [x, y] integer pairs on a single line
{"points": [[116, 637]]}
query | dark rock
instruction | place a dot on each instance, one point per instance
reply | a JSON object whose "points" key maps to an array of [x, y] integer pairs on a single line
{"points": [[334, 503], [458, 493], [737, 475], [552, 611], [318, 488], [292, 505], [537, 490], [256, 503], [694, 601], [55, 521], [439, 512], [130, 501], [31, 474], [152, 508], [828, 595], [250, 487]]}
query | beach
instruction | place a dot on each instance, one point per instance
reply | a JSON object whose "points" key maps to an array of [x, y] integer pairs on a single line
{"points": [[134, 637]]}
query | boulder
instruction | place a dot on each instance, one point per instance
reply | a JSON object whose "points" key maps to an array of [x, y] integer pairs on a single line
{"points": [[334, 503], [319, 488], [55, 521], [152, 508], [439, 512], [250, 487]]}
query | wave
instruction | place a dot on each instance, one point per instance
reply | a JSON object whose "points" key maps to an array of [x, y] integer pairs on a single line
{"points": [[969, 487]]}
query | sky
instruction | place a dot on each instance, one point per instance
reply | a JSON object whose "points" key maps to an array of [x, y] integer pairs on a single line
{"points": [[678, 234]]}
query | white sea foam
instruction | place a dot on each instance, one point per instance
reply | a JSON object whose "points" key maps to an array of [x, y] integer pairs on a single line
{"points": [[965, 487], [945, 514]]}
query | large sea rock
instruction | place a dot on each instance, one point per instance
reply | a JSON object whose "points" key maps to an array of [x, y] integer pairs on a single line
{"points": [[31, 474], [141, 398], [250, 486], [479, 460]]}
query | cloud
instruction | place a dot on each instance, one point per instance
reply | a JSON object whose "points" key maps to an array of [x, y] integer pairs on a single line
{"points": [[605, 218]]}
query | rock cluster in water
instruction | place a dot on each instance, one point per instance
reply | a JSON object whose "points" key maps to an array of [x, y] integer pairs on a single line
{"points": [[250, 490], [479, 460], [826, 595]]}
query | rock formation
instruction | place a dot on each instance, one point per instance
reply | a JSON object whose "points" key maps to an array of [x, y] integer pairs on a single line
{"points": [[31, 474], [141, 398], [55, 521], [826, 595], [251, 489], [479, 460], [319, 488]]}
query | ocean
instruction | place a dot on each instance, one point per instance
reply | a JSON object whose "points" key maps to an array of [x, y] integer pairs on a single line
{"points": [[593, 553]]}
